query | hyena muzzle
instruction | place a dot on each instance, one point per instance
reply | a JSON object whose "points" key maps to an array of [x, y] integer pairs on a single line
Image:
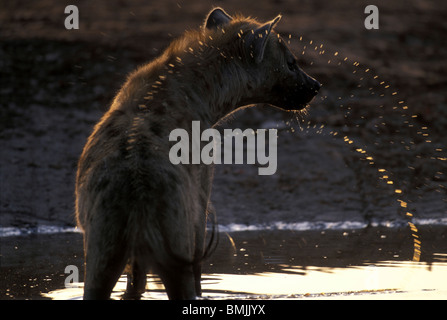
{"points": [[136, 208]]}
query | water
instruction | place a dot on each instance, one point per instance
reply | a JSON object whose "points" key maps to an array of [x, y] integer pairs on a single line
{"points": [[358, 263], [386, 280]]}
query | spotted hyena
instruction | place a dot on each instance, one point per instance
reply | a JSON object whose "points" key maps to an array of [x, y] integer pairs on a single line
{"points": [[135, 207]]}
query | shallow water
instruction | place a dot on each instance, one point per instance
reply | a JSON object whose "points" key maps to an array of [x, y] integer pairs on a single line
{"points": [[384, 280], [366, 263]]}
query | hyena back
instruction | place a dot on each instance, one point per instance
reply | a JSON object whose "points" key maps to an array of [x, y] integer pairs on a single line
{"points": [[135, 207]]}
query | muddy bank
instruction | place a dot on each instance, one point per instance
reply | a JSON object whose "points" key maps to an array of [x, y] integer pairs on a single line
{"points": [[383, 94]]}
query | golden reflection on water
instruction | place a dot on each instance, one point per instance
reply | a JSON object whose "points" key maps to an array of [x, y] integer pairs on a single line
{"points": [[382, 280], [400, 278]]}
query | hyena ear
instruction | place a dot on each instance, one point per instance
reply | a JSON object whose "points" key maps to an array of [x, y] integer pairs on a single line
{"points": [[217, 18], [256, 41]]}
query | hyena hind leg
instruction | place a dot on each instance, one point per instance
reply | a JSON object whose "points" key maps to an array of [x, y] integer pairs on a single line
{"points": [[179, 282], [103, 268]]}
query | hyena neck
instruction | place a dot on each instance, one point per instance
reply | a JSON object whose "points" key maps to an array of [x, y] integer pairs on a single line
{"points": [[205, 72], [194, 79], [212, 87]]}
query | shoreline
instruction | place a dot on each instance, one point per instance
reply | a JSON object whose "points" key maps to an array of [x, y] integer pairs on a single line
{"points": [[237, 227]]}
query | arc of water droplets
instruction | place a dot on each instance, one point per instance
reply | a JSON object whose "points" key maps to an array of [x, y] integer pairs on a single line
{"points": [[336, 59]]}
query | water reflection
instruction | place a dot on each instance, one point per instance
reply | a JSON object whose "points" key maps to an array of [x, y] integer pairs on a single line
{"points": [[359, 264], [385, 280]]}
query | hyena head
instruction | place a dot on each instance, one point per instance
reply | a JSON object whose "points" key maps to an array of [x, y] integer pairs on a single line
{"points": [[272, 69]]}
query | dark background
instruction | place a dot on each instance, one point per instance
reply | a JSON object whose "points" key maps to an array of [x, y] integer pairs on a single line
{"points": [[55, 84]]}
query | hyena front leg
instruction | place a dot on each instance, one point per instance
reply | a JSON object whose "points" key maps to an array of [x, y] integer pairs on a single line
{"points": [[105, 261], [136, 281], [197, 270]]}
